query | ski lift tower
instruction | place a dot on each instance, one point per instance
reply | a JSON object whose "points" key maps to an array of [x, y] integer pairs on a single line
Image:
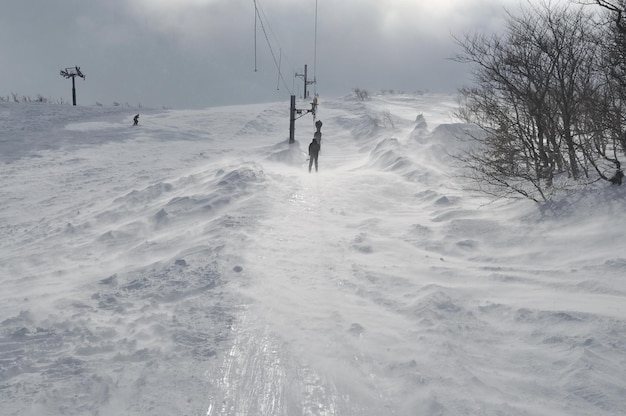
{"points": [[73, 73], [295, 111], [307, 82], [300, 113]]}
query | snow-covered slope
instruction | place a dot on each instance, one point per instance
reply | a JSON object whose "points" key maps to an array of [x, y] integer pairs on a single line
{"points": [[192, 266]]}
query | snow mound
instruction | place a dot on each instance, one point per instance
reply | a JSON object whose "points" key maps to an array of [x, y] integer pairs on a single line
{"points": [[287, 153], [389, 156], [193, 265]]}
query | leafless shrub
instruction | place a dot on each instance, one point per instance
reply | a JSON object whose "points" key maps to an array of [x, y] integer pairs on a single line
{"points": [[362, 95]]}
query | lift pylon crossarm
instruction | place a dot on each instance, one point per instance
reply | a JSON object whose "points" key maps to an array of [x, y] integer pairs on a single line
{"points": [[72, 72], [301, 113]]}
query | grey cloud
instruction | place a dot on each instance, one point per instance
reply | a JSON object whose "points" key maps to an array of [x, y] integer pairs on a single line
{"points": [[203, 53]]}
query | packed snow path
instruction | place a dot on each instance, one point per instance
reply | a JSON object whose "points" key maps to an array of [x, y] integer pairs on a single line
{"points": [[192, 266]]}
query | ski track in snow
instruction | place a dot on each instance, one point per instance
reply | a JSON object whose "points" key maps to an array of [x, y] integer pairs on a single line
{"points": [[193, 266]]}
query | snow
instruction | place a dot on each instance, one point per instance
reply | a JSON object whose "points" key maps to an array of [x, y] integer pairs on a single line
{"points": [[192, 266]]}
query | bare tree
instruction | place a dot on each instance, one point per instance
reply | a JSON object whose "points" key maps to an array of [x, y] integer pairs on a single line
{"points": [[534, 86], [613, 123]]}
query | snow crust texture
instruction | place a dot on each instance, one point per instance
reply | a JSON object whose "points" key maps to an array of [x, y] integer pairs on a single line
{"points": [[192, 266]]}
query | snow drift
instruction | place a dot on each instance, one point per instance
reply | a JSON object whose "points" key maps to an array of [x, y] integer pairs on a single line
{"points": [[191, 265]]}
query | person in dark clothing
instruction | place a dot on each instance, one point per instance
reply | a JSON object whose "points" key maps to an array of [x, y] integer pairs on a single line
{"points": [[317, 136], [314, 151], [136, 120]]}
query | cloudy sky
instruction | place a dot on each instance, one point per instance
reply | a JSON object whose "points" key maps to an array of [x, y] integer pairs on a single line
{"points": [[198, 53]]}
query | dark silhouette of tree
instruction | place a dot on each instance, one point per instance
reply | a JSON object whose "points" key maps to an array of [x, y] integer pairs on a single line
{"points": [[542, 99]]}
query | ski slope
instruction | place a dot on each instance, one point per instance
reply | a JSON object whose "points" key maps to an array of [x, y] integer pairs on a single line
{"points": [[192, 266]]}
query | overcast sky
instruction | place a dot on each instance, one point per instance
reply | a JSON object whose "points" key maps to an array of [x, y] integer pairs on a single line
{"points": [[198, 53]]}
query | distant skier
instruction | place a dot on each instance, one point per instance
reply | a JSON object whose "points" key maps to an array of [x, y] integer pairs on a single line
{"points": [[314, 151], [136, 120], [318, 126]]}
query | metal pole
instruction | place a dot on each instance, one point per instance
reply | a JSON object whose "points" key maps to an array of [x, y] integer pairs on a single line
{"points": [[305, 83], [315, 54], [292, 120], [73, 91]]}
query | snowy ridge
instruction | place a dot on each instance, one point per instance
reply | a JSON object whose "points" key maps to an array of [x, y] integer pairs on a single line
{"points": [[192, 266]]}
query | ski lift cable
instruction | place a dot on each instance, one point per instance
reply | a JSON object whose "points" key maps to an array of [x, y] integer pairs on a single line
{"points": [[255, 21], [271, 31], [280, 58], [259, 11], [272, 52], [262, 18], [315, 54]]}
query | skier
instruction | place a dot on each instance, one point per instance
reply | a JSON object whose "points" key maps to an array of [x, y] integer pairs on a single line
{"points": [[136, 120], [314, 107], [314, 150], [318, 134]]}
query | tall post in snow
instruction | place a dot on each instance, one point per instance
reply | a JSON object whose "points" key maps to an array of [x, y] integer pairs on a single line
{"points": [[305, 77], [73, 73], [292, 120], [305, 83], [73, 91]]}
